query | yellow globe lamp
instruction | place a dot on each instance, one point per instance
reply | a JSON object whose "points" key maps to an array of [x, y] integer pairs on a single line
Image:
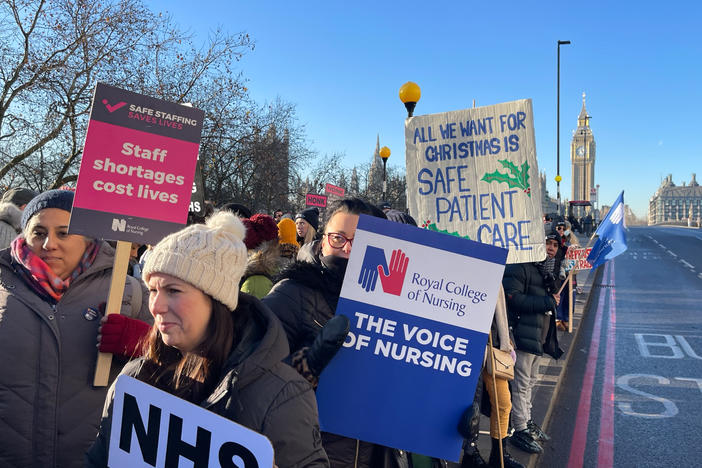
{"points": [[558, 179], [409, 95], [385, 153]]}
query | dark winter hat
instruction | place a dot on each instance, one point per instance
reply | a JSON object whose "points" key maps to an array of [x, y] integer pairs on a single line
{"points": [[552, 236], [259, 229], [311, 215], [238, 209], [561, 223], [400, 217], [18, 195], [61, 199], [384, 205]]}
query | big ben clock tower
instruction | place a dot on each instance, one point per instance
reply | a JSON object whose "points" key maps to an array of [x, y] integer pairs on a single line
{"points": [[582, 157]]}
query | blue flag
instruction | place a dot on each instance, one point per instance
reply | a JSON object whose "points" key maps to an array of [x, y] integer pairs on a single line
{"points": [[611, 239]]}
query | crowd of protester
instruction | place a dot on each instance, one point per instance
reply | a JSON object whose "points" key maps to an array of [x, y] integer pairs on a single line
{"points": [[235, 313]]}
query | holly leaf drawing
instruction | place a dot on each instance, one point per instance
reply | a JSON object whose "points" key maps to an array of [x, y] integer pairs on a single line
{"points": [[433, 227], [517, 177]]}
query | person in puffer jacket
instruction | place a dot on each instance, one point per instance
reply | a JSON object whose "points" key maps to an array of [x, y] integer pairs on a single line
{"points": [[531, 293], [305, 299], [51, 287], [219, 348]]}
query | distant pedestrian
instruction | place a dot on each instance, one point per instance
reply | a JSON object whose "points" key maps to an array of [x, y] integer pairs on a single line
{"points": [[287, 238], [263, 255], [11, 207], [307, 223], [238, 209], [19, 196]]}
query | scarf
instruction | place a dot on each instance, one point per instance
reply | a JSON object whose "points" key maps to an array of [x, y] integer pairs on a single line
{"points": [[547, 266], [39, 276]]}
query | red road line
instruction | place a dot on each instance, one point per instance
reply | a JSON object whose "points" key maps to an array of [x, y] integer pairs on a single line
{"points": [[605, 451], [579, 440]]}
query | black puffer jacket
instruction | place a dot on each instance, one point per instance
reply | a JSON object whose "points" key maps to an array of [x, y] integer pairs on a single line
{"points": [[256, 390], [305, 298], [527, 304]]}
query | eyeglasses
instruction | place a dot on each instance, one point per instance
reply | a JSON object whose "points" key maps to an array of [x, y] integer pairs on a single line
{"points": [[337, 240]]}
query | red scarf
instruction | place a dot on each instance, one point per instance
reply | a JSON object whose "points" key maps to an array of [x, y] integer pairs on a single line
{"points": [[39, 275]]}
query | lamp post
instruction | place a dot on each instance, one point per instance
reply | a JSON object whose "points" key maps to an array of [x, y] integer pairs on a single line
{"points": [[409, 95], [384, 154], [558, 125]]}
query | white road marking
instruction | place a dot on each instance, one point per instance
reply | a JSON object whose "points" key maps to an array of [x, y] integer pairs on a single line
{"points": [[671, 253], [687, 264], [699, 275]]}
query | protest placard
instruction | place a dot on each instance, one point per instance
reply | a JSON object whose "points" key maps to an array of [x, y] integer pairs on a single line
{"points": [[313, 199], [152, 428], [135, 179], [473, 173], [410, 363], [334, 190], [197, 197], [576, 259], [136, 174]]}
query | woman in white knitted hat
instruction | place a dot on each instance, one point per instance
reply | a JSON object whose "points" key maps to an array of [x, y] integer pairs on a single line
{"points": [[219, 348]]}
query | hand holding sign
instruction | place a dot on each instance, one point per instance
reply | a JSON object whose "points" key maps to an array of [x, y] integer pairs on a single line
{"points": [[327, 343], [372, 262], [392, 282]]}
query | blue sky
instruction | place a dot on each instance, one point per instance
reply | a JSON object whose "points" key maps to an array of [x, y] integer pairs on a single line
{"points": [[342, 63]]}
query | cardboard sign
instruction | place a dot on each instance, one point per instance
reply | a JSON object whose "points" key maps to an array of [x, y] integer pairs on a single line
{"points": [[313, 199], [473, 173], [409, 366], [576, 259], [334, 190], [152, 428], [136, 175]]}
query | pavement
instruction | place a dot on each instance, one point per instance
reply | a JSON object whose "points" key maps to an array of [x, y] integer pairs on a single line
{"points": [[550, 376]]}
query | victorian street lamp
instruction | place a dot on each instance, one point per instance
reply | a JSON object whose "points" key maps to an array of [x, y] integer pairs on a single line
{"points": [[385, 154], [409, 95]]}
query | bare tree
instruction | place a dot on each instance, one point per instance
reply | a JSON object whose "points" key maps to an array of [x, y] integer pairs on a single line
{"points": [[52, 52]]}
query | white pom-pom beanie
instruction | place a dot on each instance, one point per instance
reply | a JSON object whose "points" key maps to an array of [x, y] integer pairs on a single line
{"points": [[211, 257]]}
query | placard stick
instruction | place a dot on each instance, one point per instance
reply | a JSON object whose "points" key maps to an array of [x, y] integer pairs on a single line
{"points": [[497, 400], [114, 303], [570, 304]]}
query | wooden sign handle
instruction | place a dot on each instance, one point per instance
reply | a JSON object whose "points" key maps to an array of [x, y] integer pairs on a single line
{"points": [[114, 304]]}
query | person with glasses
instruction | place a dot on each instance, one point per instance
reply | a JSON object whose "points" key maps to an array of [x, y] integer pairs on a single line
{"points": [[305, 299]]}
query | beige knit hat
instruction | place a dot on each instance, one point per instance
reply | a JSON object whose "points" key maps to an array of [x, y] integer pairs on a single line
{"points": [[211, 257]]}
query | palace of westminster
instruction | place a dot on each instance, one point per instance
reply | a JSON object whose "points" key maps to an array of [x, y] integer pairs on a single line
{"points": [[670, 204]]}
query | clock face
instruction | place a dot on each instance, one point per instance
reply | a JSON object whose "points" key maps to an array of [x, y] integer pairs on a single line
{"points": [[580, 150]]}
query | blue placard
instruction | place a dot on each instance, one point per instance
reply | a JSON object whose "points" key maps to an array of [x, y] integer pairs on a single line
{"points": [[420, 305]]}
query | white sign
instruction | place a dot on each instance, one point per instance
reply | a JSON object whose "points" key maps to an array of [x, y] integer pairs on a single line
{"points": [[473, 173], [152, 428]]}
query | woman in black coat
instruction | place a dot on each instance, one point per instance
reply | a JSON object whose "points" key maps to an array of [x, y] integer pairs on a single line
{"points": [[305, 299], [218, 348]]}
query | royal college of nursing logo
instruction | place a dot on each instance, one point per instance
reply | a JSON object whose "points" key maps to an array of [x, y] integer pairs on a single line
{"points": [[375, 265]]}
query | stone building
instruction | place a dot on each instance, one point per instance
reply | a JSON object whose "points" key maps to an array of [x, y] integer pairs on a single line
{"points": [[676, 204], [582, 157]]}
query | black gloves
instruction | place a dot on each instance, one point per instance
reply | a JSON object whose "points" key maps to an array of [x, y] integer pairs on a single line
{"points": [[327, 343]]}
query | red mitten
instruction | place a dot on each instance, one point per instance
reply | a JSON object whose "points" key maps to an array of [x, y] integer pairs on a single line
{"points": [[122, 335]]}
